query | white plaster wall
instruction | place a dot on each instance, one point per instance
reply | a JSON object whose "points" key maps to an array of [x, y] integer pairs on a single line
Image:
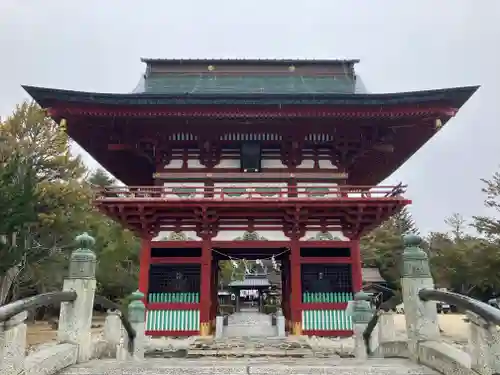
{"points": [[194, 163], [326, 164], [272, 163], [306, 163], [235, 163], [228, 163], [174, 164]]}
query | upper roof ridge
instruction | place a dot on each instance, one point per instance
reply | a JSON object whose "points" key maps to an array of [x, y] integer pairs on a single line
{"points": [[280, 61]]}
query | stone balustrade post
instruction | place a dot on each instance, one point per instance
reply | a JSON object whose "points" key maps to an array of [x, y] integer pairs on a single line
{"points": [[483, 345], [421, 317], [386, 327], [280, 323], [13, 345], [219, 326], [75, 318], [386, 330], [113, 331], [137, 318], [362, 312]]}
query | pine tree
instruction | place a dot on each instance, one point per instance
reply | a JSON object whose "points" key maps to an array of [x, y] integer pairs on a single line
{"points": [[402, 222], [101, 178]]}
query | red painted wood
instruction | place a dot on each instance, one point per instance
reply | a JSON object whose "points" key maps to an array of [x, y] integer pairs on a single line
{"points": [[176, 244], [215, 297], [176, 260], [325, 244], [296, 282], [290, 111], [172, 306], [172, 333], [329, 333], [145, 258], [205, 292], [323, 306], [288, 192], [251, 244], [118, 147], [356, 267], [325, 260]]}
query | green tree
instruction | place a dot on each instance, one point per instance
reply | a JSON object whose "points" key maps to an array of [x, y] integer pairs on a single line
{"points": [[101, 178], [51, 194], [36, 161], [17, 212], [490, 226], [231, 271], [382, 248]]}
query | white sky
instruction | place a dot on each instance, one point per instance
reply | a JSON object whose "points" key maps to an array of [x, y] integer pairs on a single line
{"points": [[403, 45]]}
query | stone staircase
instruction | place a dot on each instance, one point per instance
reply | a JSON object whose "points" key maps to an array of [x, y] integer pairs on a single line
{"points": [[273, 366], [251, 347], [241, 347]]}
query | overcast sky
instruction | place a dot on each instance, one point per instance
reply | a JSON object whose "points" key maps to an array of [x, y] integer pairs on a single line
{"points": [[95, 45]]}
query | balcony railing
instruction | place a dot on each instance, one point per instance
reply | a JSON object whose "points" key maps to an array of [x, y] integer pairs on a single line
{"points": [[245, 192]]}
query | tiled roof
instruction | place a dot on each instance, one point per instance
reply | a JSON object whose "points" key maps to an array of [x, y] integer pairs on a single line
{"points": [[47, 97], [177, 83], [250, 283], [211, 82]]}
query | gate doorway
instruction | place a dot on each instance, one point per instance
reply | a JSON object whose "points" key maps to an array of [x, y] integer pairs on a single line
{"points": [[251, 295]]}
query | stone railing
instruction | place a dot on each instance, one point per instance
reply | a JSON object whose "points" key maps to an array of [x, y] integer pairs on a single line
{"points": [[375, 331], [123, 337]]}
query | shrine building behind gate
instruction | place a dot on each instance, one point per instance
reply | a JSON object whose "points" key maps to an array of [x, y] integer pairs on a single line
{"points": [[213, 147]]}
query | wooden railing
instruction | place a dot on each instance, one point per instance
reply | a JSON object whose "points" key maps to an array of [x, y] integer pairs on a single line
{"points": [[256, 191]]}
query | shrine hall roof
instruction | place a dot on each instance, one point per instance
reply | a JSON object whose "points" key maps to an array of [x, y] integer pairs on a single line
{"points": [[250, 283], [221, 82], [48, 97]]}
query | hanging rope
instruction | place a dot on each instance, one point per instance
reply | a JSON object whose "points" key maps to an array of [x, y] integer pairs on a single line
{"points": [[234, 261]]}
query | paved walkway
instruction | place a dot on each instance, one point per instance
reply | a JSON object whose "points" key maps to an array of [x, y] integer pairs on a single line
{"points": [[278, 366], [249, 323]]}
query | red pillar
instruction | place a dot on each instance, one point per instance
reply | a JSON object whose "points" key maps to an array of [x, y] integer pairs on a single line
{"points": [[296, 287], [285, 291], [205, 287], [356, 266], [214, 300], [145, 260]]}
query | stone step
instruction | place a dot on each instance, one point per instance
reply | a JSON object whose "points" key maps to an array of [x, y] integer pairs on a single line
{"points": [[250, 366], [238, 347]]}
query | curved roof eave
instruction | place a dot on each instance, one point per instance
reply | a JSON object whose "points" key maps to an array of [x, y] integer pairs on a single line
{"points": [[456, 97]]}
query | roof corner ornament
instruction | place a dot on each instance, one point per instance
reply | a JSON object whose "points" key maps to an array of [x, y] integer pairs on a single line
{"points": [[64, 125], [438, 123]]}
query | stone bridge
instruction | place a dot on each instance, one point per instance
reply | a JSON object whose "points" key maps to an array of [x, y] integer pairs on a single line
{"points": [[124, 349]]}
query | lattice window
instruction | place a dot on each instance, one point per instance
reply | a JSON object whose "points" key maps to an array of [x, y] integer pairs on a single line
{"points": [[319, 278], [176, 278]]}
